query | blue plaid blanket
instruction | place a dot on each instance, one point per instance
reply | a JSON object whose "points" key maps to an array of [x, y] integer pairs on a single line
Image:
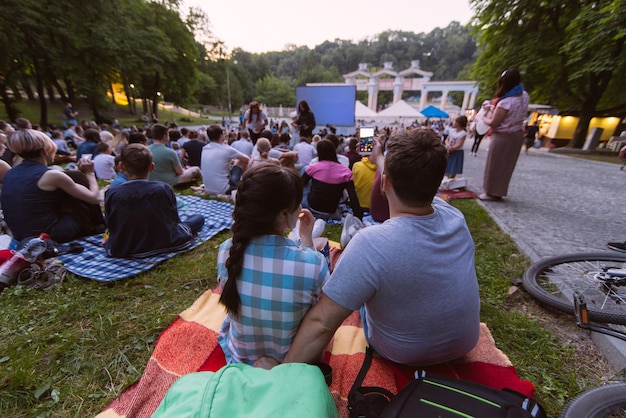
{"points": [[94, 263]]}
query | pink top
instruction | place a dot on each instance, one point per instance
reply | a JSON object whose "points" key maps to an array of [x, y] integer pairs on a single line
{"points": [[517, 107], [329, 172]]}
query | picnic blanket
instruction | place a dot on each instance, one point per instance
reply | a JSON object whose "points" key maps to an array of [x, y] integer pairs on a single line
{"points": [[189, 345], [94, 263]]}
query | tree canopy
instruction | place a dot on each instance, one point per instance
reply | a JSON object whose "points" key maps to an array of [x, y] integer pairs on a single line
{"points": [[571, 55]]}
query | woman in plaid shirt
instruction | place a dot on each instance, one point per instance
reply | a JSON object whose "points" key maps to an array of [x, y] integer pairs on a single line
{"points": [[268, 282]]}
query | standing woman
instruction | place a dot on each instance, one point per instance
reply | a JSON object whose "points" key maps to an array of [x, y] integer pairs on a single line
{"points": [[305, 120], [507, 138], [255, 120]]}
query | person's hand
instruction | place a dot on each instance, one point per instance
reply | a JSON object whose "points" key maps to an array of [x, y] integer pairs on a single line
{"points": [[266, 363], [307, 221], [85, 165], [377, 149], [622, 154]]}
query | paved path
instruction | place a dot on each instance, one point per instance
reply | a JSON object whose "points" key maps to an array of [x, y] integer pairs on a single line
{"points": [[557, 204]]}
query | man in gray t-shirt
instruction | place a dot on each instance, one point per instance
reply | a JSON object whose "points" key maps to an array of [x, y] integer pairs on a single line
{"points": [[413, 275]]}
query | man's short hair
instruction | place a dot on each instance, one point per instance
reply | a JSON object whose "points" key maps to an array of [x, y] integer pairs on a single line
{"points": [[415, 164], [214, 132], [159, 132], [137, 159], [102, 147]]}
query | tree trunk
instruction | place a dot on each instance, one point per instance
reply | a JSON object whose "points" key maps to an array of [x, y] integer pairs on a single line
{"points": [[113, 102], [580, 133], [11, 111], [596, 88], [50, 90], [43, 104], [27, 89], [61, 91], [17, 93]]}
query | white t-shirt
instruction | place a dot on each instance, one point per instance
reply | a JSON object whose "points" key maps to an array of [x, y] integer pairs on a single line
{"points": [[256, 122], [305, 151], [215, 166], [104, 166]]}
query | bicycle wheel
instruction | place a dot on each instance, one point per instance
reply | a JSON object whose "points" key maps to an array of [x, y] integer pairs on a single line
{"points": [[553, 281], [603, 402]]}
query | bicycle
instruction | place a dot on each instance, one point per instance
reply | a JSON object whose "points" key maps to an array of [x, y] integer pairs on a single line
{"points": [[592, 286]]}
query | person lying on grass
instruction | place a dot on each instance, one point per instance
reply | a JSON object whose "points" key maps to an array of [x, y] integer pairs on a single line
{"points": [[268, 282], [142, 215]]}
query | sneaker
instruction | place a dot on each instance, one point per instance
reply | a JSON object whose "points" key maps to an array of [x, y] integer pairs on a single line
{"points": [[318, 228], [351, 226], [617, 246]]}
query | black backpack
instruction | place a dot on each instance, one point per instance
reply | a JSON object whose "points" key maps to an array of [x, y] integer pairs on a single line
{"points": [[432, 395]]}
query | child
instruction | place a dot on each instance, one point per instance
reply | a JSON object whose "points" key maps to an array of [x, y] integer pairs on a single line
{"points": [[141, 215], [268, 282], [454, 145], [104, 162], [263, 146]]}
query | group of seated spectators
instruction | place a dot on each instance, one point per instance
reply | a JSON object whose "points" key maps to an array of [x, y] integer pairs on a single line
{"points": [[417, 307]]}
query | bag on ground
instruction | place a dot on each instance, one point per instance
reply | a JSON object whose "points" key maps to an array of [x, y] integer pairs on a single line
{"points": [[432, 395], [240, 390]]}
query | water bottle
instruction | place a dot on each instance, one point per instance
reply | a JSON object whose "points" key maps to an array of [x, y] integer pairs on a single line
{"points": [[21, 259]]}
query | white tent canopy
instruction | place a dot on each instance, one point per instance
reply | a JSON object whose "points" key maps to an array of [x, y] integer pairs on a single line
{"points": [[400, 110], [361, 111]]}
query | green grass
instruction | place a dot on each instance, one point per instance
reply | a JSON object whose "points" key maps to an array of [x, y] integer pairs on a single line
{"points": [[70, 351], [31, 111]]}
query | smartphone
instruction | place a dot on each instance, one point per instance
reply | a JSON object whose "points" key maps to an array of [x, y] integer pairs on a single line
{"points": [[366, 139], [86, 156]]}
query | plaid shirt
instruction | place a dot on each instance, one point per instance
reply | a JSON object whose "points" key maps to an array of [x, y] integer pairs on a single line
{"points": [[278, 284]]}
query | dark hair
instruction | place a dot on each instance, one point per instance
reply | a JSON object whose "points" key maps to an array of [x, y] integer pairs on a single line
{"points": [[137, 138], [415, 164], [462, 120], [214, 132], [264, 192], [92, 135], [159, 132], [305, 107], [352, 144], [507, 80], [333, 138], [266, 133], [174, 135], [284, 138], [326, 150], [137, 159], [102, 147]]}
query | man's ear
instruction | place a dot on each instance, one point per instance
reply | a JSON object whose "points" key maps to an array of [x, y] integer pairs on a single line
{"points": [[151, 167]]}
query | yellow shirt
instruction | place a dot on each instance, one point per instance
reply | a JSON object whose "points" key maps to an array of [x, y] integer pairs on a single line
{"points": [[364, 172]]}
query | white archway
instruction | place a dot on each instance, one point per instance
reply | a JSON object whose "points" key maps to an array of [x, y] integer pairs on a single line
{"points": [[364, 80]]}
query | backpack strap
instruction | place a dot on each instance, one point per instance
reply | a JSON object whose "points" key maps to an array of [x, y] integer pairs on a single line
{"points": [[367, 401], [367, 362]]}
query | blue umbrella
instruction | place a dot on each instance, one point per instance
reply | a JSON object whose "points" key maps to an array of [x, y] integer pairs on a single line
{"points": [[433, 112]]}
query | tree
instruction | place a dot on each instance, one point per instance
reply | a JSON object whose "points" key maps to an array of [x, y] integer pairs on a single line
{"points": [[571, 55], [275, 92]]}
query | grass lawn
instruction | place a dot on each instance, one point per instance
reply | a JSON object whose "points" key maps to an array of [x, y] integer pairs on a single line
{"points": [[69, 351]]}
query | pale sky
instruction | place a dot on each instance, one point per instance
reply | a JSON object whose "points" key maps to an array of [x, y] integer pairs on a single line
{"points": [[268, 25]]}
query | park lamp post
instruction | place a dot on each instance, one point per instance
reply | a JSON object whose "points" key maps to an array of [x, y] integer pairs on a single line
{"points": [[230, 110], [132, 97]]}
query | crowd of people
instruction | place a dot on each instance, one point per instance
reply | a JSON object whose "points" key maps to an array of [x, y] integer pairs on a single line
{"points": [[410, 272]]}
